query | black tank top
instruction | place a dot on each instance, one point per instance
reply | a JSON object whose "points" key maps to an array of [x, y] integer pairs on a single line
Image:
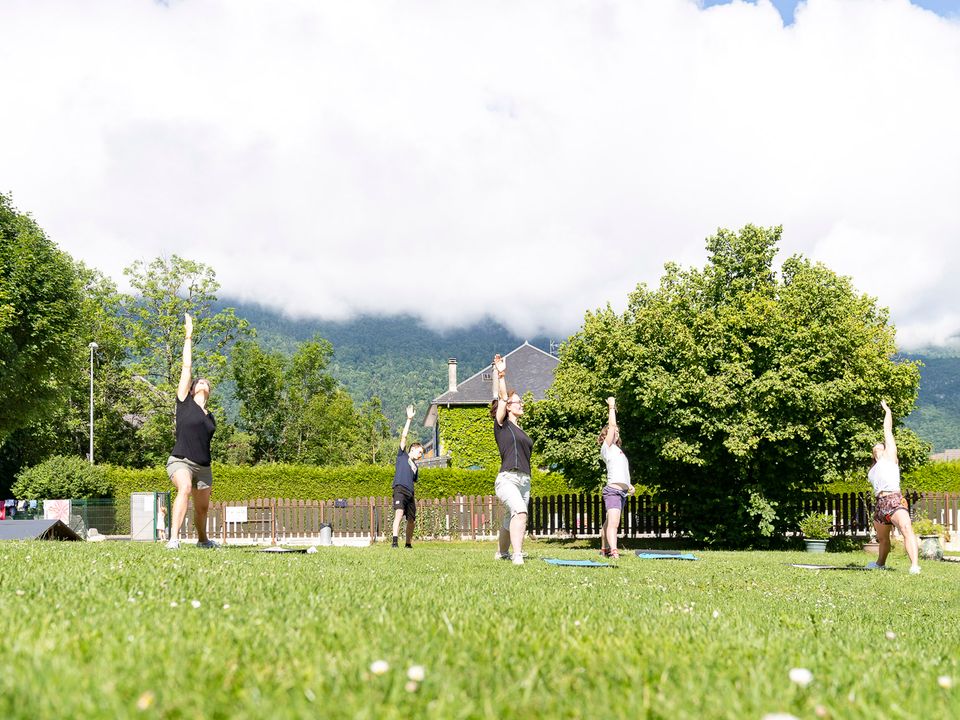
{"points": [[195, 430], [515, 446]]}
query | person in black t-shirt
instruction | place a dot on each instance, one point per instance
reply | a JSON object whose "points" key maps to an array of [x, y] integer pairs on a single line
{"points": [[189, 463], [404, 476], [513, 481]]}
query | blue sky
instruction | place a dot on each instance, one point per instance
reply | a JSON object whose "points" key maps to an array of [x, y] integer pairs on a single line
{"points": [[947, 8]]}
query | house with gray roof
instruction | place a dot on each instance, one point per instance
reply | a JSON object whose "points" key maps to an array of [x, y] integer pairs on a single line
{"points": [[462, 429]]}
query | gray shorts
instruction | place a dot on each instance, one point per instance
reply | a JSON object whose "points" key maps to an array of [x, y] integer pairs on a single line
{"points": [[201, 476], [513, 489]]}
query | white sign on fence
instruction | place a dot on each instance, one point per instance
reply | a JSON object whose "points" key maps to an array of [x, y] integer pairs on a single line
{"points": [[57, 510], [237, 514]]}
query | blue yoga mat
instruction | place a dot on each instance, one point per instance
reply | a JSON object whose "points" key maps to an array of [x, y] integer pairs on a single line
{"points": [[577, 563], [644, 555]]}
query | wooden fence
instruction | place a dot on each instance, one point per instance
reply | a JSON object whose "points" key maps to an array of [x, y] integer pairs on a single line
{"points": [[479, 516]]}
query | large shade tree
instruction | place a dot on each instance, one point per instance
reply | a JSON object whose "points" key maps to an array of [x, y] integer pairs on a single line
{"points": [[738, 387], [40, 297]]}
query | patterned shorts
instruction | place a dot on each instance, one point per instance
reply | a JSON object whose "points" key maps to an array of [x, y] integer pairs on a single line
{"points": [[886, 506]]}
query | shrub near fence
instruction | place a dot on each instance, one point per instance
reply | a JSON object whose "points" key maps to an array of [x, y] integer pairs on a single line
{"points": [[235, 483]]}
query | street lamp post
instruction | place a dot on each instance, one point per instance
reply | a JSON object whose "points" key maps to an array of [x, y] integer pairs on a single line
{"points": [[93, 346]]}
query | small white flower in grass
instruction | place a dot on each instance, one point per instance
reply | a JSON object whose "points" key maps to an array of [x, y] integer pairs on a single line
{"points": [[226, 606], [801, 676], [821, 711], [173, 603], [780, 716], [416, 673], [576, 623], [890, 635], [411, 686], [145, 701], [195, 603], [20, 593], [131, 600], [379, 667], [716, 614], [945, 681]]}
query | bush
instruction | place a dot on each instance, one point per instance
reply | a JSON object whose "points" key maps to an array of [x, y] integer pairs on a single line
{"points": [[816, 526], [62, 477], [926, 526]]}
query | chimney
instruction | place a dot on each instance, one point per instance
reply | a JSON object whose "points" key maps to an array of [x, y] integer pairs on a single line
{"points": [[452, 374]]}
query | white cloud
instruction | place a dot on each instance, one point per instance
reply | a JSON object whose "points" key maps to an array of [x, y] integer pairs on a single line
{"points": [[528, 159]]}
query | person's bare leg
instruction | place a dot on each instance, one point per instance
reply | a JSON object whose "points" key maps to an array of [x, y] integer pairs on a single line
{"points": [[883, 539], [503, 539], [610, 527], [603, 533], [901, 518], [518, 527], [410, 527], [201, 504], [397, 515], [181, 478]]}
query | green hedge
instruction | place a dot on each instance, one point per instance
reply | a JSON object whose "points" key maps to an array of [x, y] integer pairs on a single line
{"points": [[308, 482], [933, 477]]}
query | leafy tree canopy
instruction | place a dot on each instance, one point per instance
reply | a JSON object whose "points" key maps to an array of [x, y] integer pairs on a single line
{"points": [[737, 387]]}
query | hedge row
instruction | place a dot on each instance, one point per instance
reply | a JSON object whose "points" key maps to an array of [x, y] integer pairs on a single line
{"points": [[308, 482], [933, 477]]}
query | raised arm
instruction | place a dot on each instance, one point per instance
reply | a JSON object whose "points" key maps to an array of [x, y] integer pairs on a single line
{"points": [[186, 369], [500, 383], [611, 421], [889, 444], [406, 428]]}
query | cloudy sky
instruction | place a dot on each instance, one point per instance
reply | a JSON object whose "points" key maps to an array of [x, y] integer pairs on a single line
{"points": [[528, 159]]}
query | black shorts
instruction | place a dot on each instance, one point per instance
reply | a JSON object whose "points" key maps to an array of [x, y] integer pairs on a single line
{"points": [[403, 500]]}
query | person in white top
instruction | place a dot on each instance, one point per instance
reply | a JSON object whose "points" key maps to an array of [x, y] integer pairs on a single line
{"points": [[890, 509], [618, 484]]}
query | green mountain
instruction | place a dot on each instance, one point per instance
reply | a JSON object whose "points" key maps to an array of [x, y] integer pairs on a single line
{"points": [[398, 358], [403, 361]]}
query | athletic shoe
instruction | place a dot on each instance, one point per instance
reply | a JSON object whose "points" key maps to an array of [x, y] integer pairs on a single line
{"points": [[209, 544], [501, 556], [394, 544], [518, 559], [874, 566], [914, 569], [173, 544], [408, 546]]}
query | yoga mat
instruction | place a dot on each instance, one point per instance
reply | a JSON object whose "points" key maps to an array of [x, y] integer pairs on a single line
{"points": [[577, 563], [665, 555], [283, 550], [827, 567]]}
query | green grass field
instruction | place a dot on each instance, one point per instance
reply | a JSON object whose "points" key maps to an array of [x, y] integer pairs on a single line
{"points": [[110, 630]]}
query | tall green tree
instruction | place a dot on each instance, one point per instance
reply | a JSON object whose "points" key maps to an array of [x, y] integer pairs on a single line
{"points": [[40, 295], [738, 389], [152, 323]]}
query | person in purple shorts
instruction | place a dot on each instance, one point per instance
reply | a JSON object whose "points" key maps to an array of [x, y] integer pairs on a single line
{"points": [[891, 507], [618, 484]]}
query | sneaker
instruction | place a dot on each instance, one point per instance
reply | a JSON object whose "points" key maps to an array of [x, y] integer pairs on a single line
{"points": [[914, 569], [395, 544], [874, 566], [501, 556], [173, 544], [409, 546], [209, 544], [518, 559]]}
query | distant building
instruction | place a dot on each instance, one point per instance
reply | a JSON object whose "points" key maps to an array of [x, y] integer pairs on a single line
{"points": [[462, 428], [946, 455]]}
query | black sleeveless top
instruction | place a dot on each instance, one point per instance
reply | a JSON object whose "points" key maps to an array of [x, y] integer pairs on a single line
{"points": [[195, 430], [515, 447]]}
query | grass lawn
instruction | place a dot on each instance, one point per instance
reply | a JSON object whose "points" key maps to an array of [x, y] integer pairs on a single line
{"points": [[110, 630]]}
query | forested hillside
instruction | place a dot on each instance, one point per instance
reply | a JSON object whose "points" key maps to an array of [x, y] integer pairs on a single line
{"points": [[402, 361], [396, 358]]}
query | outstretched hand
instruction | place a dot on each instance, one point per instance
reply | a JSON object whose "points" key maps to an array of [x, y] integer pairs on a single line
{"points": [[410, 412], [499, 364], [188, 325], [883, 404], [612, 403]]}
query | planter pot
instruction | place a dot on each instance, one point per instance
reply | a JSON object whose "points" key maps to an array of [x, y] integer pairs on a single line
{"points": [[930, 548], [872, 547], [816, 546]]}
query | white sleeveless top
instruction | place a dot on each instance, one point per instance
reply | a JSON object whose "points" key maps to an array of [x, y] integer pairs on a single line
{"points": [[884, 476], [618, 469]]}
